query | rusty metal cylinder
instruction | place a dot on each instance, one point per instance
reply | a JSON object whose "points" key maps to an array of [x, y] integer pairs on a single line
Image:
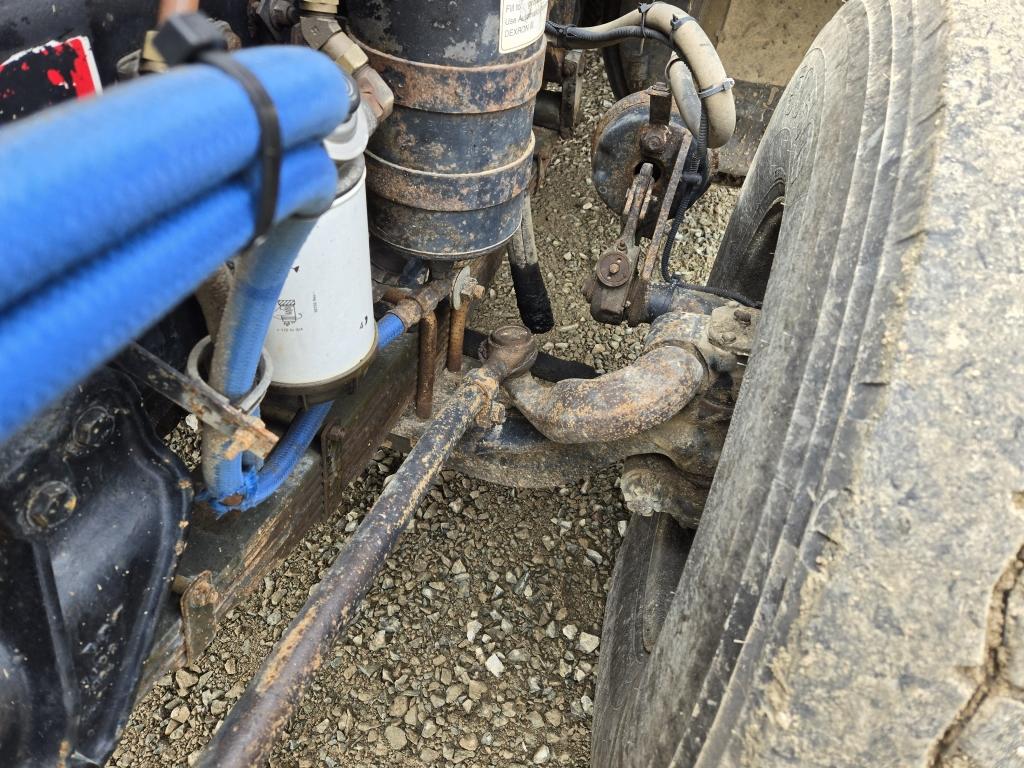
{"points": [[448, 171]]}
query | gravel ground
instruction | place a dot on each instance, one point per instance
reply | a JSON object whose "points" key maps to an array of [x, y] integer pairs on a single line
{"points": [[479, 644]]}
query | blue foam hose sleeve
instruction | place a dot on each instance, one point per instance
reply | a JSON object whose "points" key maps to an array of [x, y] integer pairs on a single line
{"points": [[389, 328], [258, 281], [80, 178], [258, 485], [60, 333]]}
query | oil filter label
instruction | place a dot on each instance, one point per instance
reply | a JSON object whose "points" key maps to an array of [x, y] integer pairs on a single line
{"points": [[522, 22]]}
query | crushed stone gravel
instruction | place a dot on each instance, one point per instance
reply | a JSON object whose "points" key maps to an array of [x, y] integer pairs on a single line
{"points": [[478, 646]]}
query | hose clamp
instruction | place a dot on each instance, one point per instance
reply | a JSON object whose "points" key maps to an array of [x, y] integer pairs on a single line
{"points": [[247, 403], [678, 21], [725, 85]]}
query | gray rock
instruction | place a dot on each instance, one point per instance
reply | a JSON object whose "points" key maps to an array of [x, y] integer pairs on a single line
{"points": [[185, 679], [494, 665], [395, 737]]}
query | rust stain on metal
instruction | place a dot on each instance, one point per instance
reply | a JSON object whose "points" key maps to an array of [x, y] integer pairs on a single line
{"points": [[449, 191], [426, 370], [457, 337], [459, 89], [623, 403], [651, 258], [198, 615], [617, 405], [286, 646]]}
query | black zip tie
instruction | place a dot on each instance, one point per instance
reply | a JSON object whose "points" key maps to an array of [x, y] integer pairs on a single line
{"points": [[192, 37], [643, 8]]}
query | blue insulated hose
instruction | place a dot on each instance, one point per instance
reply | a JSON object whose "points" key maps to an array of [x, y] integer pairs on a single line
{"points": [[256, 486], [389, 328], [59, 334], [80, 178], [114, 208], [259, 279]]}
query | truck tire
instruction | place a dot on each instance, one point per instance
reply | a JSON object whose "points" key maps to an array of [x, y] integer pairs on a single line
{"points": [[854, 594]]}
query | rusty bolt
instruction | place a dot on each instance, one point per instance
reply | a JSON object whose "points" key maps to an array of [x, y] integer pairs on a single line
{"points": [[472, 290], [50, 504], [93, 427], [653, 143], [742, 316], [620, 246], [232, 500]]}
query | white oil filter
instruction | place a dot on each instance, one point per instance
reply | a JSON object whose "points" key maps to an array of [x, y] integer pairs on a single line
{"points": [[323, 332]]}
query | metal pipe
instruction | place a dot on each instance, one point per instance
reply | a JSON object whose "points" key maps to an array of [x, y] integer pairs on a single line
{"points": [[262, 714], [614, 406], [392, 294], [411, 308], [457, 336], [427, 368]]}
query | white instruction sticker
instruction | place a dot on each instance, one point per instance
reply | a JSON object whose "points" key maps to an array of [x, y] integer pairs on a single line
{"points": [[522, 22]]}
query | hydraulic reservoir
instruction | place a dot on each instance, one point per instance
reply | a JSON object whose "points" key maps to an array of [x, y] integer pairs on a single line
{"points": [[447, 172], [323, 333]]}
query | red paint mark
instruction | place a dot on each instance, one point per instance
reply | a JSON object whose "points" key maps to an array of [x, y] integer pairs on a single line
{"points": [[45, 75], [82, 76]]}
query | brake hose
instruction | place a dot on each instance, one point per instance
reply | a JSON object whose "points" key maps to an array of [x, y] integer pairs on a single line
{"points": [[695, 160], [703, 78], [570, 36]]}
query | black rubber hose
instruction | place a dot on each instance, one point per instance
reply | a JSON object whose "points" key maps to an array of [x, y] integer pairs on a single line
{"points": [[696, 157], [697, 166], [547, 368], [568, 36], [527, 278], [725, 293], [532, 297]]}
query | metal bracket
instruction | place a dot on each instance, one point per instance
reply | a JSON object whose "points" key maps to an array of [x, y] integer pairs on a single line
{"points": [[198, 616], [733, 327], [609, 288], [637, 304], [248, 433]]}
